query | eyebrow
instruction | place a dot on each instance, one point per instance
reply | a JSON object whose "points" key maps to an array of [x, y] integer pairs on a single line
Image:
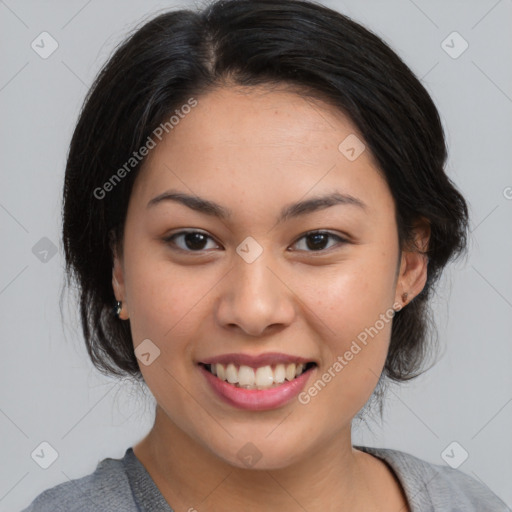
{"points": [[290, 211]]}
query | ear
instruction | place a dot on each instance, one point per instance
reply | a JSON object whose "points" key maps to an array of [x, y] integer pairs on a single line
{"points": [[118, 282], [412, 275]]}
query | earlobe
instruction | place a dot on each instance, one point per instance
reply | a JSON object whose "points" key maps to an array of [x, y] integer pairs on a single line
{"points": [[117, 277], [118, 285], [414, 266]]}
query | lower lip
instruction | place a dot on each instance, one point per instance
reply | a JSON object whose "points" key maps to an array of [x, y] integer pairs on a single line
{"points": [[257, 399]]}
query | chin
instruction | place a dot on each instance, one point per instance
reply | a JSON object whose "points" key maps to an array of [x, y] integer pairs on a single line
{"points": [[260, 453]]}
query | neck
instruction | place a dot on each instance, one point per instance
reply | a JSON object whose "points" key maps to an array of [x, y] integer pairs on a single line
{"points": [[189, 476]]}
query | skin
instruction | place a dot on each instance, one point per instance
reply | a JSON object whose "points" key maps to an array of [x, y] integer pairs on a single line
{"points": [[254, 151]]}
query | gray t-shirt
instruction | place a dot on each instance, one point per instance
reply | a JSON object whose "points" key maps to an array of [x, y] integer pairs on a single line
{"points": [[124, 485]]}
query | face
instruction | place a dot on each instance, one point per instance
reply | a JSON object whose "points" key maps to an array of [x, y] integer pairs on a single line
{"points": [[245, 285]]}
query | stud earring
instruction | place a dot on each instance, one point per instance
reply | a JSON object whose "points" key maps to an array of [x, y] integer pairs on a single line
{"points": [[404, 298], [118, 307]]}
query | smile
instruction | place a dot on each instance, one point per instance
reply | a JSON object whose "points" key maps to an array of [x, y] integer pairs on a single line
{"points": [[257, 382], [262, 377]]}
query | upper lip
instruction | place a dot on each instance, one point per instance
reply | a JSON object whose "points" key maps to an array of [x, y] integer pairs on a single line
{"points": [[256, 361]]}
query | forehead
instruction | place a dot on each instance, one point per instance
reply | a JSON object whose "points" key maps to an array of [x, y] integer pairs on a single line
{"points": [[258, 117], [253, 142]]}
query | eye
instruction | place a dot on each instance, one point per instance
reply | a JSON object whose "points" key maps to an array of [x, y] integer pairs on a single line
{"points": [[193, 241], [196, 241], [317, 240]]}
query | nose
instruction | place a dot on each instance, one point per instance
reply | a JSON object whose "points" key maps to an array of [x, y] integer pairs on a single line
{"points": [[254, 297]]}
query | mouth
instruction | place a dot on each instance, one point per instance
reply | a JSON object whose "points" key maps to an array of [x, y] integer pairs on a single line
{"points": [[259, 378]]}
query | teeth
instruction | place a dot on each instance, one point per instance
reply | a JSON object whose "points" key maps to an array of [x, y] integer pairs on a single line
{"points": [[246, 376], [279, 373], [231, 374], [264, 377], [220, 370], [290, 371], [259, 378]]}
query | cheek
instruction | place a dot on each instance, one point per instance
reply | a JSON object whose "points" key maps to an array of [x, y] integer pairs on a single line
{"points": [[354, 303], [351, 292], [356, 309], [163, 296], [164, 307], [165, 304]]}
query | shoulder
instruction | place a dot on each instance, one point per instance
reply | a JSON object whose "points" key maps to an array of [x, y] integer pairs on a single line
{"points": [[436, 487], [107, 489]]}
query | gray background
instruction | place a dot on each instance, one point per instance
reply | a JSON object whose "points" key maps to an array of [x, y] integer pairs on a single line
{"points": [[50, 391]]}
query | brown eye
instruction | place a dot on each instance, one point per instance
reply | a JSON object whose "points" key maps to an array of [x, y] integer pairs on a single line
{"points": [[190, 241], [317, 240]]}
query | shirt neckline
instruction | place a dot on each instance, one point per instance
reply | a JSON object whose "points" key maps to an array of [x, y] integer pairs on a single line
{"points": [[148, 496], [407, 473]]}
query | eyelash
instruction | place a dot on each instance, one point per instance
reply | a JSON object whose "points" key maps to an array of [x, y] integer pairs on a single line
{"points": [[170, 240]]}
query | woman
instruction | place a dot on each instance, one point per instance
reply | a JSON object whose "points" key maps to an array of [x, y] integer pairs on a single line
{"points": [[259, 190]]}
